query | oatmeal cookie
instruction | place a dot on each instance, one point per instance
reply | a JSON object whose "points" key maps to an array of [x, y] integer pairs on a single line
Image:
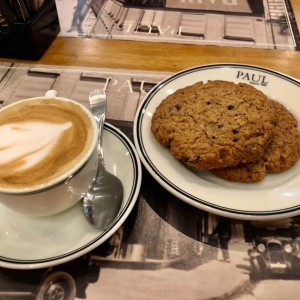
{"points": [[282, 153], [215, 124], [284, 149], [250, 172]]}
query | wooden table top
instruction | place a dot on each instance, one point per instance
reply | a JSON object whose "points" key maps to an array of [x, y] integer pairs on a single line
{"points": [[163, 56]]}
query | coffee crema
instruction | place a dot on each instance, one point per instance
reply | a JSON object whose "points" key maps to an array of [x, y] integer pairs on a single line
{"points": [[40, 140]]}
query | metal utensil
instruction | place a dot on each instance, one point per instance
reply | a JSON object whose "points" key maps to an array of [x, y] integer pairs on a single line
{"points": [[103, 200]]}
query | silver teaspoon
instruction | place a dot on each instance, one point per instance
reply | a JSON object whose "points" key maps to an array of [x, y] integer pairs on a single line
{"points": [[103, 201]]}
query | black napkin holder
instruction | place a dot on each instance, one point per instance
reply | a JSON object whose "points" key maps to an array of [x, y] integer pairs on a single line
{"points": [[30, 40]]}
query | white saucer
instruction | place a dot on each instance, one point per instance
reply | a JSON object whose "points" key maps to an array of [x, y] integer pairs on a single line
{"points": [[37, 242], [277, 196]]}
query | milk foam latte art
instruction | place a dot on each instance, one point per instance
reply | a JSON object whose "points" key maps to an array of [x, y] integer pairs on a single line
{"points": [[40, 140], [48, 154]]}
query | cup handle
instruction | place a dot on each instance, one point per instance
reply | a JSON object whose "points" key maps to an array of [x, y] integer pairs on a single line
{"points": [[51, 94]]}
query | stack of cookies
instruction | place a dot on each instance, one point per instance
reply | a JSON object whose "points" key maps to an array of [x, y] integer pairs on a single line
{"points": [[233, 130]]}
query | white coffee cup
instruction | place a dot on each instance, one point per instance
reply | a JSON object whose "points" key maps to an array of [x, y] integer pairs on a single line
{"points": [[64, 190]]}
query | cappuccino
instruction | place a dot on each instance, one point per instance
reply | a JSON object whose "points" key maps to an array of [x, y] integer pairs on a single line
{"points": [[41, 140]]}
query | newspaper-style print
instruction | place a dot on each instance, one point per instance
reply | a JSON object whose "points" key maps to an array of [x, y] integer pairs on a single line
{"points": [[243, 23], [166, 249]]}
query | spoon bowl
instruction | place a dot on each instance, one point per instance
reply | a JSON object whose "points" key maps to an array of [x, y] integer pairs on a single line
{"points": [[103, 200]]}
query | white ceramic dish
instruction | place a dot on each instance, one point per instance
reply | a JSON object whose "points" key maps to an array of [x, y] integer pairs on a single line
{"points": [[278, 196], [36, 242]]}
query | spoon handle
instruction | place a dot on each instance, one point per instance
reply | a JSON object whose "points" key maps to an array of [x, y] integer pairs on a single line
{"points": [[98, 104]]}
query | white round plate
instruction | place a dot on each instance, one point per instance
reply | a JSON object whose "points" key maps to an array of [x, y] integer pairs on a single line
{"points": [[277, 196], [37, 242]]}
